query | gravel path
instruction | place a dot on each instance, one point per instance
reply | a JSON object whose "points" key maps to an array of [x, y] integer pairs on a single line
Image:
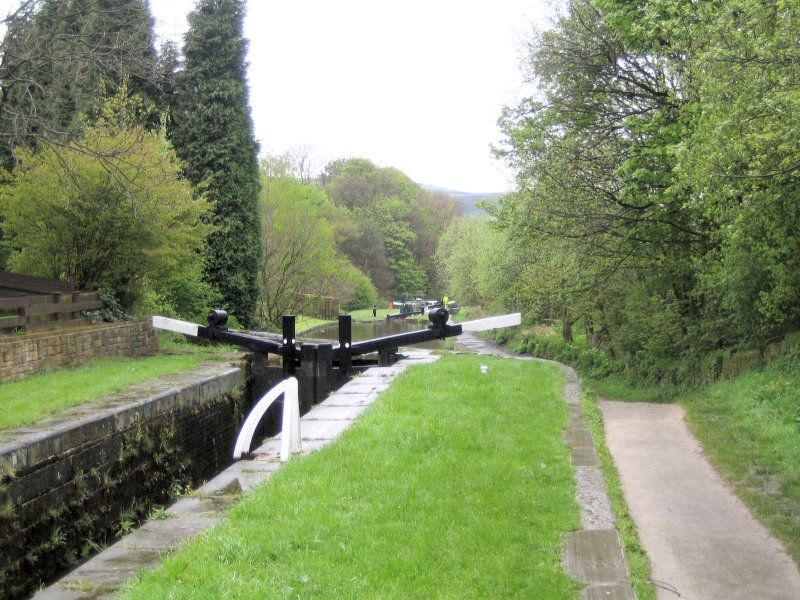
{"points": [[704, 544]]}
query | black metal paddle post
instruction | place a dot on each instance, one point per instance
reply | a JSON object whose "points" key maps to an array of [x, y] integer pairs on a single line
{"points": [[288, 344], [345, 342], [307, 379], [324, 372]]}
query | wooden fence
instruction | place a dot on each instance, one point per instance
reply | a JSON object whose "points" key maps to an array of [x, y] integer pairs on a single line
{"points": [[43, 311], [321, 307], [30, 303]]}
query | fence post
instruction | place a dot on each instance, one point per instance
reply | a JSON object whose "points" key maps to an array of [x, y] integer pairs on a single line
{"points": [[324, 372], [345, 339], [385, 356], [22, 314], [57, 298], [288, 344]]}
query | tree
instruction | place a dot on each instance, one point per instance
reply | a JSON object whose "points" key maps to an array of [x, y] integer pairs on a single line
{"points": [[59, 58], [212, 131], [132, 228], [395, 225], [301, 265], [657, 168]]}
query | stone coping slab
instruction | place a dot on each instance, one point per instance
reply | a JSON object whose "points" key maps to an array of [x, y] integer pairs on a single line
{"points": [[102, 575]]}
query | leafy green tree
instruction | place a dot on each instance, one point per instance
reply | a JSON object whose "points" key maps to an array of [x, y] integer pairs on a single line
{"points": [[212, 131], [395, 225], [128, 224], [363, 294], [657, 172], [301, 265]]}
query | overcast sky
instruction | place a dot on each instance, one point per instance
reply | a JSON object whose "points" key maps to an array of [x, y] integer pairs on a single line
{"points": [[417, 84]]}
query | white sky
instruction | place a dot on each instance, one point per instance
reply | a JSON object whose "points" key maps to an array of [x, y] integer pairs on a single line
{"points": [[416, 85]]}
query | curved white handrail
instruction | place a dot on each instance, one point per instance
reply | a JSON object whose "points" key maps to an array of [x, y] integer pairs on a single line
{"points": [[290, 426]]}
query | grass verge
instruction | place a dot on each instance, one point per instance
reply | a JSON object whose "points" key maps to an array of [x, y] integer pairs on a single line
{"points": [[619, 388], [303, 323], [454, 485], [45, 394], [365, 314], [638, 561], [750, 428]]}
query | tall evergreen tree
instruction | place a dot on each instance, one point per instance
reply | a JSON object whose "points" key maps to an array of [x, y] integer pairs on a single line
{"points": [[59, 58], [212, 131]]}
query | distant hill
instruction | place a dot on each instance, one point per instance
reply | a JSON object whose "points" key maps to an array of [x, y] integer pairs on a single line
{"points": [[466, 199]]}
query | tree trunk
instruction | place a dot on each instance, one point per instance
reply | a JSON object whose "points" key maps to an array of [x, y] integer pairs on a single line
{"points": [[566, 329]]}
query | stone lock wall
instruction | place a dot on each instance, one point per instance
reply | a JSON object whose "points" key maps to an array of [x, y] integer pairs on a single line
{"points": [[26, 354], [70, 486]]}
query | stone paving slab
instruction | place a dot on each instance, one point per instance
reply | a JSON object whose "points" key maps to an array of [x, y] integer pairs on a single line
{"points": [[591, 493], [578, 437], [594, 557], [375, 388], [584, 457], [364, 399], [335, 412], [102, 575]]}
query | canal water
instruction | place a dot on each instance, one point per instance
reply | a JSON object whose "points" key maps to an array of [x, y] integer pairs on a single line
{"points": [[366, 330]]}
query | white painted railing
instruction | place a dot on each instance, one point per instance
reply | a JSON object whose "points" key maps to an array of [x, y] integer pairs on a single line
{"points": [[290, 426]]}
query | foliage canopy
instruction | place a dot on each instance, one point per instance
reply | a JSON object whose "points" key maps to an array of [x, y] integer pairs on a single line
{"points": [[129, 223]]}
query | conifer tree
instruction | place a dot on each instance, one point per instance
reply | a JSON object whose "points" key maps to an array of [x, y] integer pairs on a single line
{"points": [[212, 131], [60, 58]]}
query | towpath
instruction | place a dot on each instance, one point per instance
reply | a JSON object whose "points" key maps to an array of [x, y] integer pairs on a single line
{"points": [[703, 543]]}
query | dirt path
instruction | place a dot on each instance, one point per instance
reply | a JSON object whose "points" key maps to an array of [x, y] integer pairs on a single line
{"points": [[703, 542]]}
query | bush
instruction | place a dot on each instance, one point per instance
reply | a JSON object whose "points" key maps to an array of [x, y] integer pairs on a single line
{"points": [[591, 361], [110, 313], [126, 222], [364, 294]]}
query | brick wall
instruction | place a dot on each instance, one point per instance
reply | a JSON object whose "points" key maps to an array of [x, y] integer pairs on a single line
{"points": [[69, 487], [23, 355]]}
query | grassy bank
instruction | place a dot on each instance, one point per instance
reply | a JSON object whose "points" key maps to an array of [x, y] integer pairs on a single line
{"points": [[460, 489], [750, 428], [42, 395], [365, 314], [303, 323]]}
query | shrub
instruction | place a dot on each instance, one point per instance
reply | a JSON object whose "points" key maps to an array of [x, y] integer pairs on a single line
{"points": [[125, 223], [364, 294], [592, 361]]}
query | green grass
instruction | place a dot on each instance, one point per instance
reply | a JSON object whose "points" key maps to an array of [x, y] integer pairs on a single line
{"points": [[365, 314], [453, 485], [750, 428], [304, 323], [618, 387], [635, 554], [42, 395]]}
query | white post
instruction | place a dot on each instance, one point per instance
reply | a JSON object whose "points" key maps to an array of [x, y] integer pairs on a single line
{"points": [[290, 428]]}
